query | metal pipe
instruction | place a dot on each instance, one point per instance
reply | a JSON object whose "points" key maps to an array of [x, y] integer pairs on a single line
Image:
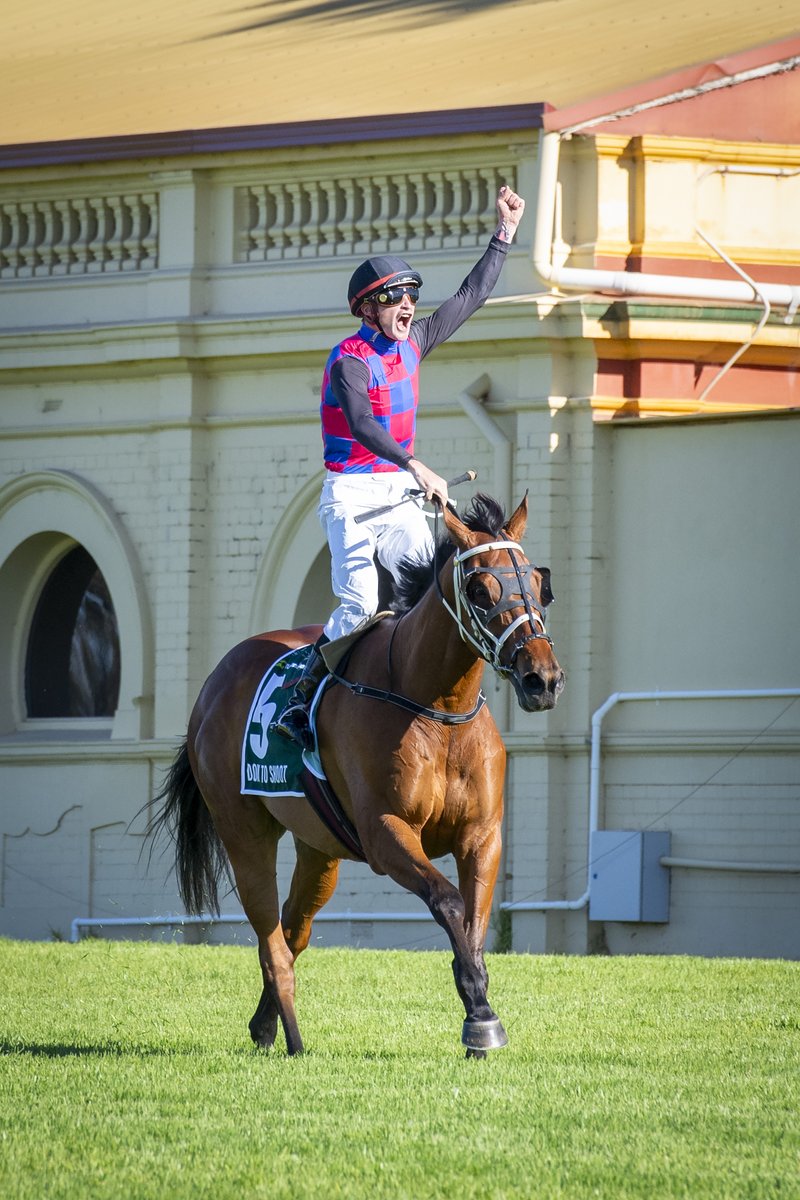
{"points": [[595, 763], [232, 919], [473, 402], [737, 354], [629, 283], [721, 864]]}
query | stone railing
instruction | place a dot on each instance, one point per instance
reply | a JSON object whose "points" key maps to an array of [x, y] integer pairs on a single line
{"points": [[78, 235], [417, 210]]}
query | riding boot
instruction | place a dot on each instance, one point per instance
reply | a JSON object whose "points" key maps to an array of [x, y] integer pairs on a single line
{"points": [[293, 723]]}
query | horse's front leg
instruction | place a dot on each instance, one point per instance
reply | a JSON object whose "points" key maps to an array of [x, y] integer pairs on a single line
{"points": [[394, 848], [477, 858]]}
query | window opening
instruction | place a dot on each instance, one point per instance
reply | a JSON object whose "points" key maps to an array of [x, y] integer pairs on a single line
{"points": [[73, 660]]}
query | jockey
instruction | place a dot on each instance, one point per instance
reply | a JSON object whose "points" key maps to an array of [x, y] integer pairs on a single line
{"points": [[369, 410]]}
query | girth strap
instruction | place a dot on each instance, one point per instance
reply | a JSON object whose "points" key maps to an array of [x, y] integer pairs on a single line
{"points": [[326, 805]]}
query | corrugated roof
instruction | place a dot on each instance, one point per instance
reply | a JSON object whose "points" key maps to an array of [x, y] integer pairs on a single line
{"points": [[96, 68]]}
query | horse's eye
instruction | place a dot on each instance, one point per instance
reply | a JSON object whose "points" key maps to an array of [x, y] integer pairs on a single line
{"points": [[479, 594]]}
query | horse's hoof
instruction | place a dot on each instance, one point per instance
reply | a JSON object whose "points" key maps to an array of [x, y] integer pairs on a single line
{"points": [[483, 1035]]}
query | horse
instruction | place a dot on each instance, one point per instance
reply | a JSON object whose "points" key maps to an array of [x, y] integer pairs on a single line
{"points": [[411, 752]]}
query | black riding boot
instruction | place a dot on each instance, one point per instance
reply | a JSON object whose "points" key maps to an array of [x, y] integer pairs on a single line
{"points": [[293, 723]]}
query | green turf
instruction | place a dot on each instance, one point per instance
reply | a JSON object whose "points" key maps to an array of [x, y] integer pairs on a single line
{"points": [[127, 1072]]}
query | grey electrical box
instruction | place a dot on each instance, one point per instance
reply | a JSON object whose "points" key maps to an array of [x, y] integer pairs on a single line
{"points": [[628, 882]]}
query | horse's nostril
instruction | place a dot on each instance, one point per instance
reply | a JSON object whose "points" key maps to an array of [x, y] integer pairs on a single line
{"points": [[533, 683]]}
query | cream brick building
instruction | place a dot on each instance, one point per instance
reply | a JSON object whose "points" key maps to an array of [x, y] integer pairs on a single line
{"points": [[165, 318]]}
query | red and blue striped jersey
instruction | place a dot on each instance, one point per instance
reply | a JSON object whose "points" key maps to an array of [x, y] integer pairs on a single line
{"points": [[393, 370]]}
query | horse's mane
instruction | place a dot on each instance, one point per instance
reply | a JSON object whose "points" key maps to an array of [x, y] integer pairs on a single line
{"points": [[416, 572]]}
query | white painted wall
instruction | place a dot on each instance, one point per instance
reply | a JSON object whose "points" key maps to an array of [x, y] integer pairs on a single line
{"points": [[166, 418]]}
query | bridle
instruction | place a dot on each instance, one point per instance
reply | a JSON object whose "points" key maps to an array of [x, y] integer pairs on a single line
{"points": [[488, 645], [480, 636]]}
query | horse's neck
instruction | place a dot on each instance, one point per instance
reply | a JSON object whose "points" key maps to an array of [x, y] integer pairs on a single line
{"points": [[432, 659]]}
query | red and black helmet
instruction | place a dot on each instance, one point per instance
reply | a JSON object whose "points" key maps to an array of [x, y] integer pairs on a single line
{"points": [[375, 273]]}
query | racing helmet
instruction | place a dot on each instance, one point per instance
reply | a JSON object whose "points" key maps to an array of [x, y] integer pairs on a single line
{"points": [[384, 271]]}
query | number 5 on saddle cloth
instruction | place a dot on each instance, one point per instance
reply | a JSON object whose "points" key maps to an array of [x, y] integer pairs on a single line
{"points": [[273, 766]]}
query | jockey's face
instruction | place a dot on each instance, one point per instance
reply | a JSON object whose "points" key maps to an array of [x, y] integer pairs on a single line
{"points": [[393, 320]]}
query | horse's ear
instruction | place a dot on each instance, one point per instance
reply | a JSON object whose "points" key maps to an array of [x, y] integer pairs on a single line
{"points": [[515, 527], [464, 538]]}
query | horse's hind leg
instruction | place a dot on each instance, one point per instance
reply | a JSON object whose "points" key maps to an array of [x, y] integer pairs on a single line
{"points": [[251, 840], [277, 969], [313, 884]]}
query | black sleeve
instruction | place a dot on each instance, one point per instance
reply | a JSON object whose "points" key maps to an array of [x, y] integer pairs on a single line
{"points": [[430, 332], [349, 379]]}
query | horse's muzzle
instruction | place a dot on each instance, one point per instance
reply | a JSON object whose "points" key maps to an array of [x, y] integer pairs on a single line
{"points": [[537, 689]]}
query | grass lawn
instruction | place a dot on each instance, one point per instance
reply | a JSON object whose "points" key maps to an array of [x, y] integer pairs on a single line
{"points": [[126, 1072]]}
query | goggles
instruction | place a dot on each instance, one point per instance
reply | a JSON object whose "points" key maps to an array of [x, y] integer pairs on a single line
{"points": [[393, 295]]}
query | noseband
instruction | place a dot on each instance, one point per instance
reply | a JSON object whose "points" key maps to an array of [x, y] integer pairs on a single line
{"points": [[488, 645]]}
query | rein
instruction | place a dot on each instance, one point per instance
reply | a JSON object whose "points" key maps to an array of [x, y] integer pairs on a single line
{"points": [[419, 710]]}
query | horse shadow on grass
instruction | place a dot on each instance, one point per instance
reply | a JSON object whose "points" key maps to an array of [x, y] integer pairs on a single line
{"points": [[73, 1050], [56, 1050]]}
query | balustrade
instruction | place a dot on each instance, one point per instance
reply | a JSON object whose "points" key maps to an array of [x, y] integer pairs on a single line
{"points": [[276, 220], [378, 213], [84, 235]]}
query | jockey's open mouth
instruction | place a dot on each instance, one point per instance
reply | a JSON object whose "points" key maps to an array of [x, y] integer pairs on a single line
{"points": [[404, 319]]}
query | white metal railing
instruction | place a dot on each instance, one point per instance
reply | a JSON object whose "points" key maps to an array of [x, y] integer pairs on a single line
{"points": [[79, 923], [594, 793]]}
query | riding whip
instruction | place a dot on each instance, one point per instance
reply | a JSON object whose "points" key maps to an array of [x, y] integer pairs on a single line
{"points": [[414, 494]]}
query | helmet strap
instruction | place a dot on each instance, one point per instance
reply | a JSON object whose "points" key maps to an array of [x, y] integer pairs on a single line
{"points": [[375, 319]]}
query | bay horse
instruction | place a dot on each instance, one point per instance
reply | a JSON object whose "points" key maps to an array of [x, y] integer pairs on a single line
{"points": [[411, 752]]}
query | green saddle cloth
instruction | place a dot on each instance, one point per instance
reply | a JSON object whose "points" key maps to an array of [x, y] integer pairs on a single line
{"points": [[271, 765]]}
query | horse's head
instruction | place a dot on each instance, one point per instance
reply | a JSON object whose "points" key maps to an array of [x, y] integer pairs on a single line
{"points": [[500, 602]]}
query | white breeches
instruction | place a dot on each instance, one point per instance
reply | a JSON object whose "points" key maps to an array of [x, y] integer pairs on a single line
{"points": [[403, 531]]}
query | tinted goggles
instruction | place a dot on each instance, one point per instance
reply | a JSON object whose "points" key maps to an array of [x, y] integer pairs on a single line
{"points": [[393, 295]]}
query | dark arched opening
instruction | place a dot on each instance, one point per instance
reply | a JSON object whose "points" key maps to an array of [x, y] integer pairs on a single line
{"points": [[72, 665]]}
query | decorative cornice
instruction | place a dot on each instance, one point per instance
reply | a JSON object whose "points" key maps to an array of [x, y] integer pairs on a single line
{"points": [[448, 122], [662, 258]]}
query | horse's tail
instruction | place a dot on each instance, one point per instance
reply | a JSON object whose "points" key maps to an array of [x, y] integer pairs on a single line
{"points": [[200, 859]]}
